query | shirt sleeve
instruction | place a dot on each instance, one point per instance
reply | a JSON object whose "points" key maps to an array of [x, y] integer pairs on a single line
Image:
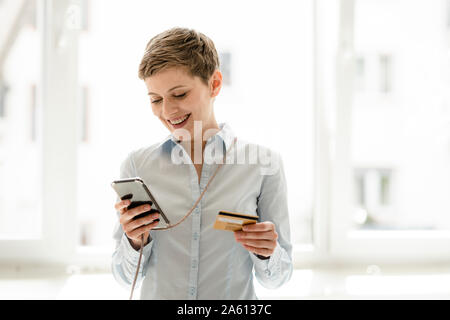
{"points": [[125, 258], [272, 206]]}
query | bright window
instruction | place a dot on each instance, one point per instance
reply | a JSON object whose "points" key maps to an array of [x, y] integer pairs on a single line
{"points": [[391, 134], [401, 134], [358, 109], [20, 146]]}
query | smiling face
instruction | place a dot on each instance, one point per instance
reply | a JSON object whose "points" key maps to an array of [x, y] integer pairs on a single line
{"points": [[178, 99]]}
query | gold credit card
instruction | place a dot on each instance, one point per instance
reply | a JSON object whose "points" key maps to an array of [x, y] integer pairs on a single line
{"points": [[233, 221]]}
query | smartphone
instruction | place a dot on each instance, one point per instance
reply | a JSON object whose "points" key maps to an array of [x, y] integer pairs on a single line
{"points": [[134, 189]]}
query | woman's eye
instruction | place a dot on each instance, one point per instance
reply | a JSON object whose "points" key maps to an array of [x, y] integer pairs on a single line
{"points": [[178, 97]]}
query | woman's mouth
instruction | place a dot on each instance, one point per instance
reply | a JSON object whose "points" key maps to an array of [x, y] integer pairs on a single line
{"points": [[179, 122]]}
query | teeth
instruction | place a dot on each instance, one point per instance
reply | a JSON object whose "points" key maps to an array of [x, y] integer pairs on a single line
{"points": [[179, 120]]}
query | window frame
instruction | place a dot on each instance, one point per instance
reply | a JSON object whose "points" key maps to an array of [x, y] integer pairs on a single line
{"points": [[57, 105], [334, 63]]}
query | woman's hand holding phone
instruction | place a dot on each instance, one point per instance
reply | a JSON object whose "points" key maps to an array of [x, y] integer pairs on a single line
{"points": [[135, 228]]}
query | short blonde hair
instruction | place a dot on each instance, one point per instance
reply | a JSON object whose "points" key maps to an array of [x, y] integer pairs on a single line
{"points": [[180, 47]]}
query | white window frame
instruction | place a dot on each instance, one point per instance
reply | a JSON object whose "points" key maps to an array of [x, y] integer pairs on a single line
{"points": [[57, 99], [333, 239], [318, 253]]}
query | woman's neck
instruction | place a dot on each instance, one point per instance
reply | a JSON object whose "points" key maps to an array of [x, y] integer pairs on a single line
{"points": [[196, 146]]}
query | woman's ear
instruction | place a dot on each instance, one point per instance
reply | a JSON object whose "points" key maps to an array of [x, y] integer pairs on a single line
{"points": [[216, 83]]}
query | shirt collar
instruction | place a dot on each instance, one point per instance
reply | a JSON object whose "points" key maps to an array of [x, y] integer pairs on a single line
{"points": [[225, 133]]}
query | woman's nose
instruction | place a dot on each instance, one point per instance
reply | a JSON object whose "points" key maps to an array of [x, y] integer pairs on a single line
{"points": [[169, 109]]}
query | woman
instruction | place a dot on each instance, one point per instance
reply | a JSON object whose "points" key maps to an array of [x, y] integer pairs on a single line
{"points": [[180, 69]]}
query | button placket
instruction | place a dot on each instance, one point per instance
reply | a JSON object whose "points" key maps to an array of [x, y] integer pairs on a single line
{"points": [[193, 274], [195, 236], [197, 189]]}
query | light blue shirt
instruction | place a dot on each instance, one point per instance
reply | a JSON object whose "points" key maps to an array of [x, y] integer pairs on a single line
{"points": [[194, 260]]}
